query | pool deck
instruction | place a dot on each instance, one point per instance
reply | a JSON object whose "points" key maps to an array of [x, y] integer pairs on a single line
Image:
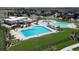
{"points": [[42, 22], [19, 35]]}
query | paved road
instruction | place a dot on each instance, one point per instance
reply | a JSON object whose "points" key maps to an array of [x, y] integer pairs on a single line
{"points": [[69, 48]]}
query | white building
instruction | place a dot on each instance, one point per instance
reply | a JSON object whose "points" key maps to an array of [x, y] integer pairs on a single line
{"points": [[77, 20], [15, 20], [12, 21]]}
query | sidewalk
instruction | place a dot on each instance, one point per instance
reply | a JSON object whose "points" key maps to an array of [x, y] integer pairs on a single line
{"points": [[69, 48]]}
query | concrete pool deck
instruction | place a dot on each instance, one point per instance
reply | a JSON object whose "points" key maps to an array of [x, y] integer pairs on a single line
{"points": [[18, 35], [42, 22]]}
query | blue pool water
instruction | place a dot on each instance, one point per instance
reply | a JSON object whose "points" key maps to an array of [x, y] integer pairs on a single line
{"points": [[60, 24], [35, 31]]}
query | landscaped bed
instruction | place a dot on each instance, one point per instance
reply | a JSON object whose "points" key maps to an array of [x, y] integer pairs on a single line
{"points": [[56, 40]]}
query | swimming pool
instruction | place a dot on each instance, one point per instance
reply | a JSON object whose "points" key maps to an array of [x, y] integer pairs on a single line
{"points": [[60, 24], [35, 31]]}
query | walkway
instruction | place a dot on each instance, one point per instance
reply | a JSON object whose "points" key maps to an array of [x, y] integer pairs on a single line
{"points": [[69, 48]]}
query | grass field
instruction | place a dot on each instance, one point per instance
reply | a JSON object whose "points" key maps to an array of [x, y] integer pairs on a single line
{"points": [[76, 49], [2, 39], [57, 40]]}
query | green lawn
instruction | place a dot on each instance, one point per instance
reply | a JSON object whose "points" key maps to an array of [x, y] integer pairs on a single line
{"points": [[76, 49], [2, 39], [58, 40]]}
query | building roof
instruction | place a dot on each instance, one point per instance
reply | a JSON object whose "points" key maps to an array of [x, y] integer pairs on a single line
{"points": [[18, 18]]}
